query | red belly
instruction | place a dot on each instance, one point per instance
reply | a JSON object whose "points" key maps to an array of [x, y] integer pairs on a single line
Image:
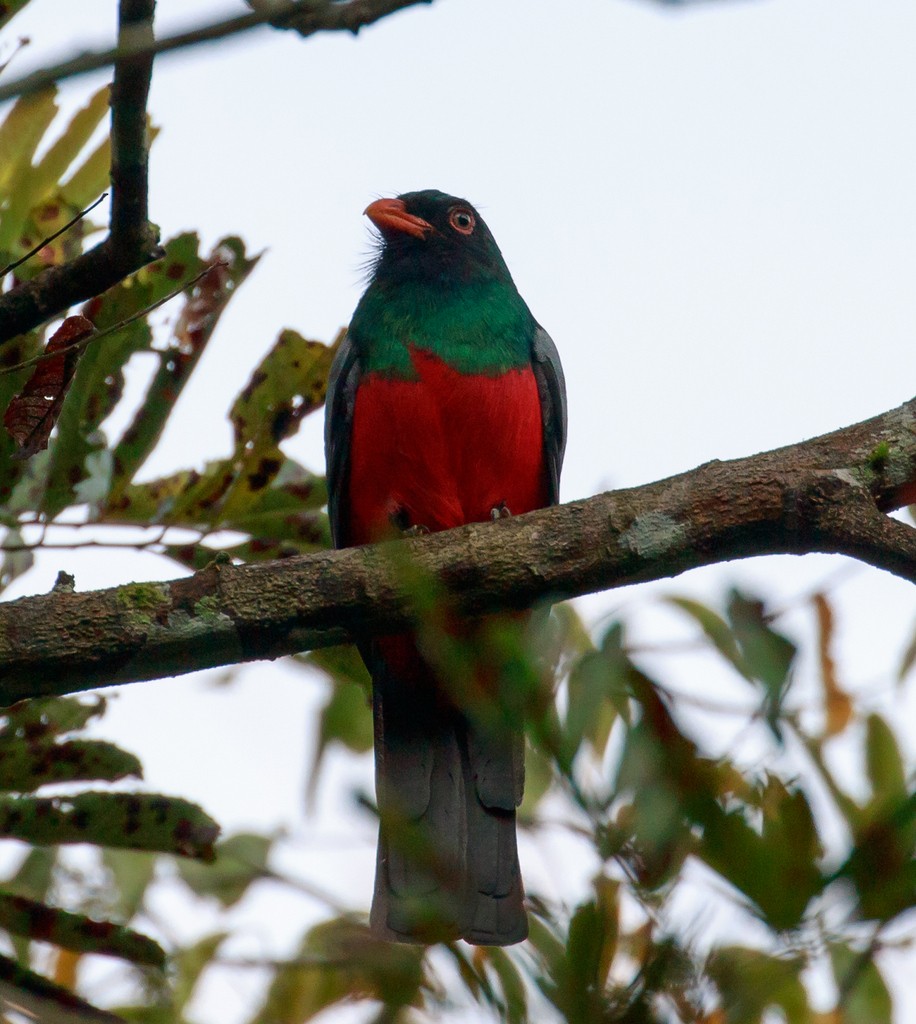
{"points": [[443, 450]]}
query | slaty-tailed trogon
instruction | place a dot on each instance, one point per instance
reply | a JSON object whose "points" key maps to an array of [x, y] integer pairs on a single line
{"points": [[446, 405]]}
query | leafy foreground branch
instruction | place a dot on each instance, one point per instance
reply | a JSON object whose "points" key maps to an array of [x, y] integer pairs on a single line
{"points": [[829, 494], [811, 885]]}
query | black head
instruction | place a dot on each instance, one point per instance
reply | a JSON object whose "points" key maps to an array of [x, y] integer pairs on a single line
{"points": [[433, 236]]}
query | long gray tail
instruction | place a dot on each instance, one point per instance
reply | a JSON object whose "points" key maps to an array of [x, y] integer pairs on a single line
{"points": [[447, 864]]}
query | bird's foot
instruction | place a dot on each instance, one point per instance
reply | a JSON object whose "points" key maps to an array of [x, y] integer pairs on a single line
{"points": [[400, 519], [500, 512], [417, 530]]}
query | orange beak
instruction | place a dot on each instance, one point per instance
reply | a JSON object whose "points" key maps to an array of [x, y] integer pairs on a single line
{"points": [[392, 215]]}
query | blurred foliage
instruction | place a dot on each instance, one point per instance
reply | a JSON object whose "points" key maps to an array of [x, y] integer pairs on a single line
{"points": [[38, 749], [812, 871], [665, 822]]}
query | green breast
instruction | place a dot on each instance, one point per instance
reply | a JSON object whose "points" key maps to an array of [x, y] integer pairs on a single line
{"points": [[476, 327]]}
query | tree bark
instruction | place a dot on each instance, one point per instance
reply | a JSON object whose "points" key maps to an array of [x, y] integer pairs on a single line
{"points": [[830, 494]]}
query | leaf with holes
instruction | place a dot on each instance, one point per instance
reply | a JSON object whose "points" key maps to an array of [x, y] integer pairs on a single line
{"points": [[290, 383], [39, 922], [27, 765], [203, 306], [136, 821], [99, 379]]}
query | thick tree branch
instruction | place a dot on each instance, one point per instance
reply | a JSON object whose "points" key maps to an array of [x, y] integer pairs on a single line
{"points": [[305, 16], [132, 241], [830, 494]]}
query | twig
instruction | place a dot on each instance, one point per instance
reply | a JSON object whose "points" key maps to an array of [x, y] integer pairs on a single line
{"points": [[50, 238], [22, 43], [330, 17], [132, 241], [120, 325], [140, 545], [852, 975], [315, 962]]}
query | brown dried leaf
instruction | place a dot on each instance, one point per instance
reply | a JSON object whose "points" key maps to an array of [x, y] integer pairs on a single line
{"points": [[837, 703], [31, 415]]}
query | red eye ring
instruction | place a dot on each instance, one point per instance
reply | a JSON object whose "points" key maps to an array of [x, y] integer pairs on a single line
{"points": [[462, 220]]}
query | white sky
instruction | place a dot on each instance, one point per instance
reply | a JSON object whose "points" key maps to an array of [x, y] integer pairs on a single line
{"points": [[711, 210]]}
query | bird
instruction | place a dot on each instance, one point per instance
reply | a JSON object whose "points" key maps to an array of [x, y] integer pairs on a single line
{"points": [[446, 405]]}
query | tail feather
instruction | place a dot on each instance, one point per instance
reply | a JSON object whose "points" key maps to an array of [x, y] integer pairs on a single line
{"points": [[447, 864], [496, 782]]}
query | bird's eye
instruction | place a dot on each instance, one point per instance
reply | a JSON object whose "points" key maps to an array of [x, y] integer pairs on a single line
{"points": [[462, 220]]}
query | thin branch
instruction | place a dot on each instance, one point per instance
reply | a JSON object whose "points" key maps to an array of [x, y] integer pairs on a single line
{"points": [[47, 241], [302, 15], [139, 545], [826, 495], [131, 231], [132, 241], [120, 325]]}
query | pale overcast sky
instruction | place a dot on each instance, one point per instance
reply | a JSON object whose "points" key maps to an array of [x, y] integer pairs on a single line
{"points": [[711, 209]]}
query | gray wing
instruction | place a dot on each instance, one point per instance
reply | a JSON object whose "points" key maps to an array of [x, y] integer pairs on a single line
{"points": [[548, 372], [343, 381]]}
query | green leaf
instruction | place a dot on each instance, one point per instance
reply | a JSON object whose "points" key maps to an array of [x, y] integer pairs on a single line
{"points": [[750, 982], [33, 880], [46, 717], [652, 831], [204, 304], [240, 861], [777, 868], [346, 718], [864, 996], [77, 932], [17, 558], [99, 379], [908, 659], [289, 384], [20, 134], [538, 780], [38, 206], [24, 766], [338, 961], [545, 939], [34, 875], [140, 821], [52, 166], [515, 997], [44, 1001], [45, 219], [581, 976], [717, 631], [883, 763], [597, 691], [90, 179], [881, 865], [767, 654], [189, 964], [131, 873]]}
